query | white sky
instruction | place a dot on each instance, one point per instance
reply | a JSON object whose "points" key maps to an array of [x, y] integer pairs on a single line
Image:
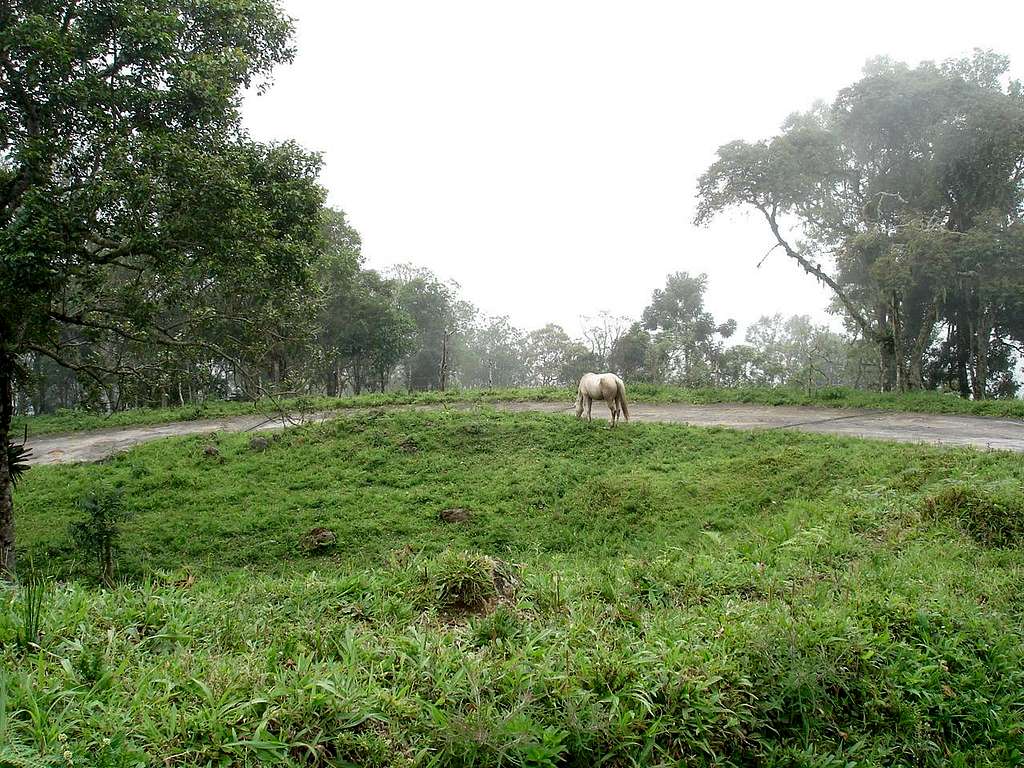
{"points": [[545, 154]]}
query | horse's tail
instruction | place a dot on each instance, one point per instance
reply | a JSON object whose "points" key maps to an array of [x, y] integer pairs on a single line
{"points": [[620, 394]]}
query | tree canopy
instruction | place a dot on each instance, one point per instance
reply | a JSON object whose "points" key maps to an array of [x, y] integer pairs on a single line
{"points": [[906, 193], [134, 210]]}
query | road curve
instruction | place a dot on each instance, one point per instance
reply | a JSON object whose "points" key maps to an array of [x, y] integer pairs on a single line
{"points": [[933, 428]]}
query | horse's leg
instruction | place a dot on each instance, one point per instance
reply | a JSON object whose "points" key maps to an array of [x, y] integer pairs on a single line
{"points": [[590, 404], [612, 411]]}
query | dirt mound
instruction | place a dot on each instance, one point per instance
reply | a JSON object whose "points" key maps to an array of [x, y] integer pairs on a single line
{"points": [[319, 539], [467, 582], [455, 515]]}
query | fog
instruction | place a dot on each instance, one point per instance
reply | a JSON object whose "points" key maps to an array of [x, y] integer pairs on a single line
{"points": [[545, 155]]}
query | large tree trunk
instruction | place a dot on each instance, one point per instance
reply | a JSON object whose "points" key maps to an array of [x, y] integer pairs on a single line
{"points": [[982, 336], [39, 406], [887, 365], [442, 377], [963, 352], [915, 375], [898, 354], [6, 484], [357, 377]]}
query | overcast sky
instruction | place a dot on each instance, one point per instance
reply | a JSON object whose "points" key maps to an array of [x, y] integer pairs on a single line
{"points": [[545, 154]]}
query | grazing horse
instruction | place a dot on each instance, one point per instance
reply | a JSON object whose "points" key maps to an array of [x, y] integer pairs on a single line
{"points": [[602, 386]]}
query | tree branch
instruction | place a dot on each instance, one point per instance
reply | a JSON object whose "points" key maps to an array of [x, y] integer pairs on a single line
{"points": [[821, 275]]}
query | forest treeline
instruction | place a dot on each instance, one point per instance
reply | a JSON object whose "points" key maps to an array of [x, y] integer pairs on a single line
{"points": [[355, 330], [351, 329]]}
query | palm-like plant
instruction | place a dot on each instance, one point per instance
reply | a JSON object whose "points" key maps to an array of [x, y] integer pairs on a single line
{"points": [[17, 459]]}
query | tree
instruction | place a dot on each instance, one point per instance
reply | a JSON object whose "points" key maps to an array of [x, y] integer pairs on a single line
{"points": [[547, 349], [362, 332], [340, 335], [129, 193], [885, 187], [438, 317], [577, 360], [797, 353], [390, 331], [495, 354], [630, 355], [689, 341], [602, 331]]}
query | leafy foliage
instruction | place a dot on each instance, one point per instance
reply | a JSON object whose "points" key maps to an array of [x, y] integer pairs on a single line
{"points": [[136, 216], [689, 341], [18, 455]]}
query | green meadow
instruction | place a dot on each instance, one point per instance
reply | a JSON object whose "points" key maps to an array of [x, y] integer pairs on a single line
{"points": [[523, 590]]}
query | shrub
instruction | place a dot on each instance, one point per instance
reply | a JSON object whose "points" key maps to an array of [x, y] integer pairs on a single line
{"points": [[98, 532], [17, 459]]}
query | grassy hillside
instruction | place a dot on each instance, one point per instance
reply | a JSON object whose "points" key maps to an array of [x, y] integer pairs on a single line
{"points": [[648, 595], [834, 397]]}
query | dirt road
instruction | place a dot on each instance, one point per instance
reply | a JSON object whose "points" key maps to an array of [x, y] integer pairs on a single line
{"points": [[938, 429]]}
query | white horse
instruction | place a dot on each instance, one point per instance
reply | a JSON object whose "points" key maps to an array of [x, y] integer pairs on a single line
{"points": [[602, 386]]}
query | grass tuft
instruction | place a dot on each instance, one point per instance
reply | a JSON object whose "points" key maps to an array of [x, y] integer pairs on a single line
{"points": [[467, 582], [992, 518]]}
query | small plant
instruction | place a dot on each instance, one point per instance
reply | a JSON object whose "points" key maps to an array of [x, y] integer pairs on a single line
{"points": [[464, 581], [31, 596], [502, 625], [97, 534], [90, 665], [13, 752], [17, 459]]}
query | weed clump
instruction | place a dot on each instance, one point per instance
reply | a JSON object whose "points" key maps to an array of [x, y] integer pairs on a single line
{"points": [[992, 519], [31, 599]]}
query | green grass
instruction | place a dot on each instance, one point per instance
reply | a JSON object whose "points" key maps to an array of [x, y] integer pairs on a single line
{"points": [[649, 595], [83, 420], [832, 397]]}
